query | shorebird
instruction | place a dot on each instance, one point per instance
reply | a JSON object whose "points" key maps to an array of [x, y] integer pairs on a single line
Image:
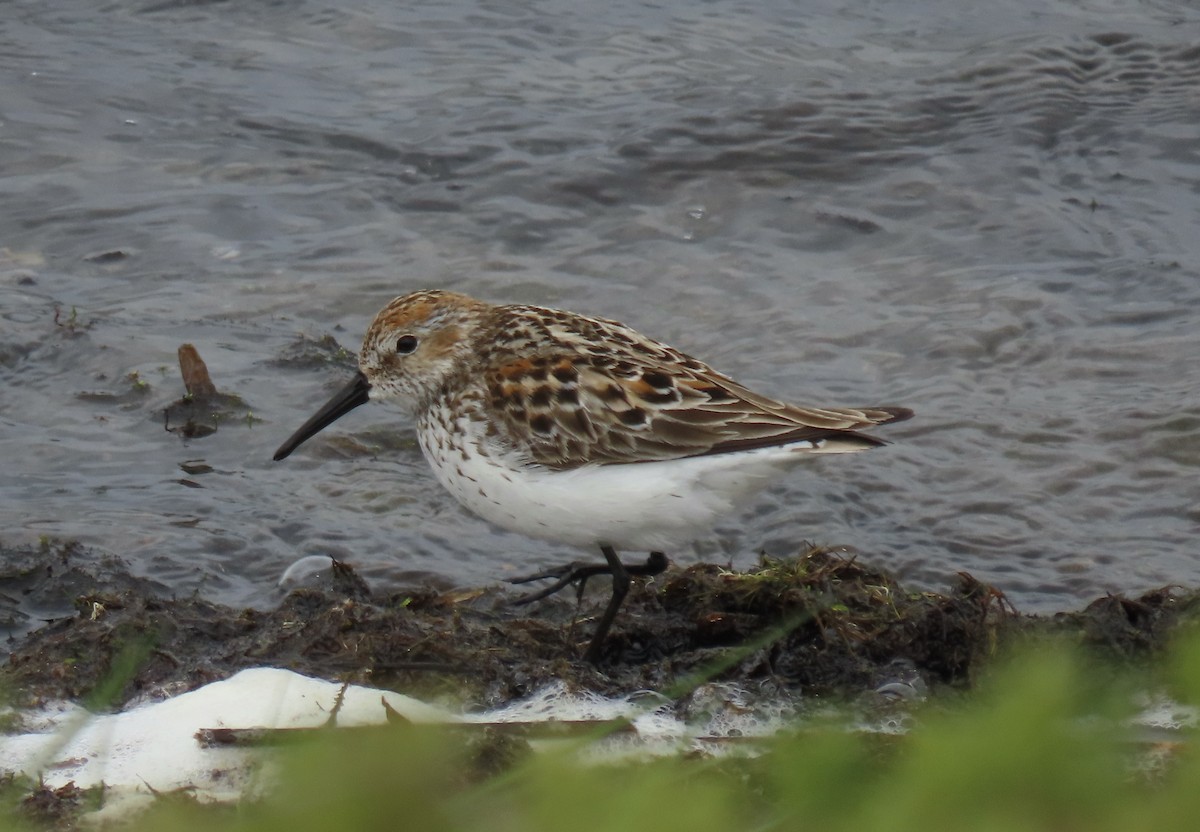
{"points": [[581, 430]]}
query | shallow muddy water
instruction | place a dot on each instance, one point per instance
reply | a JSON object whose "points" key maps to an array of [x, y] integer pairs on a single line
{"points": [[990, 217]]}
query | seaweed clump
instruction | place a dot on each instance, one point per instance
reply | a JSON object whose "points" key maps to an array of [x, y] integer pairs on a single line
{"points": [[831, 623], [819, 623]]}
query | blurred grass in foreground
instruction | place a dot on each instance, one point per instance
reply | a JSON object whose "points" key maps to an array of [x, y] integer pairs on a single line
{"points": [[1044, 743]]}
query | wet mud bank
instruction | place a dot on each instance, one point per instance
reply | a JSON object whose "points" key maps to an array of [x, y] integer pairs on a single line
{"points": [[81, 627]]}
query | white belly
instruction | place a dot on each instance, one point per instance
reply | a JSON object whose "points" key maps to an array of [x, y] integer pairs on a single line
{"points": [[644, 506]]}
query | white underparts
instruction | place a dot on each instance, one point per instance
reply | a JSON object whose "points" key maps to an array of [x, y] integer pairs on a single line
{"points": [[638, 506]]}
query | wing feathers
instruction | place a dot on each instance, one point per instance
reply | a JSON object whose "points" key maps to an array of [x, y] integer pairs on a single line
{"points": [[585, 391]]}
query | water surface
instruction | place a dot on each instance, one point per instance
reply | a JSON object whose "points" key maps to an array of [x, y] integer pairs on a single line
{"points": [[988, 215]]}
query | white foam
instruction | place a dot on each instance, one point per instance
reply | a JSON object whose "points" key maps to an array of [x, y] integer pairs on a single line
{"points": [[154, 745], [153, 748], [1159, 711]]}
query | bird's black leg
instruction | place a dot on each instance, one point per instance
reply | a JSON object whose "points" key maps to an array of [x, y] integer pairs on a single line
{"points": [[571, 573], [620, 588]]}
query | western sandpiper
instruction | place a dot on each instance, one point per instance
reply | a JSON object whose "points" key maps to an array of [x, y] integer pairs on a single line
{"points": [[581, 430]]}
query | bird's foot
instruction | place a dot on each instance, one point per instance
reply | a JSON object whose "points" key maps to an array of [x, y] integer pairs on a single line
{"points": [[579, 573], [563, 576]]}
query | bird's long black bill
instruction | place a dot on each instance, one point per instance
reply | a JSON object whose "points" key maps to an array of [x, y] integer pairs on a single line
{"points": [[357, 392]]}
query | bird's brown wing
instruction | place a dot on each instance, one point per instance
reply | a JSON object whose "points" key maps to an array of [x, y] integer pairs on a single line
{"points": [[583, 391]]}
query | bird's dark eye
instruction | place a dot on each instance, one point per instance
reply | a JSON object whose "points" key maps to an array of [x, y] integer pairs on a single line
{"points": [[406, 344]]}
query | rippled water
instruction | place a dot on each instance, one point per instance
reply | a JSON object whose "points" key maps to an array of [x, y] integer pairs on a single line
{"points": [[990, 216]]}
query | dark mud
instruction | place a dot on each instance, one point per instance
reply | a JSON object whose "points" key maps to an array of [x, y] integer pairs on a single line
{"points": [[82, 627]]}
